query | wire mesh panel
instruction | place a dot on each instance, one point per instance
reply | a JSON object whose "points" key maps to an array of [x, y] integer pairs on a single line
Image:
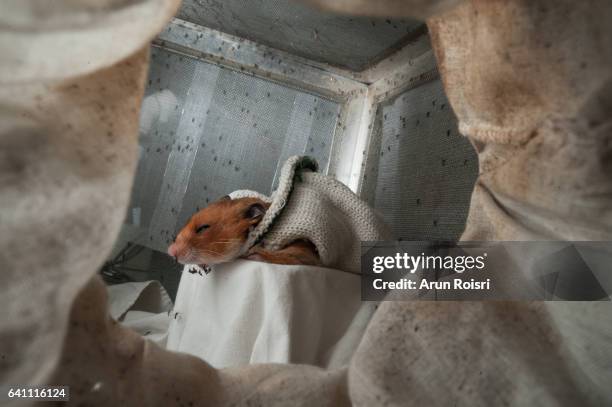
{"points": [[303, 30], [207, 130], [421, 171]]}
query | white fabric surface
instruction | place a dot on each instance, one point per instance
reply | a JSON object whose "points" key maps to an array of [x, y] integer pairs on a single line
{"points": [[43, 40], [253, 312], [250, 312], [143, 307]]}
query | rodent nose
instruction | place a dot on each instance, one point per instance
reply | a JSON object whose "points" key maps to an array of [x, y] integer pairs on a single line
{"points": [[172, 250]]}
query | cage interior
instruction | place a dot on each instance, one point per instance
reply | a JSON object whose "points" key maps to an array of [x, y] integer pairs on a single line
{"points": [[234, 91]]}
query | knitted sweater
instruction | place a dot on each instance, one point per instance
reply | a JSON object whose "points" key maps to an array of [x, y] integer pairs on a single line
{"points": [[315, 207]]}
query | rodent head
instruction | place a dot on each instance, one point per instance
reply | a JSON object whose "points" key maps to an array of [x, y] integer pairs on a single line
{"points": [[217, 233]]}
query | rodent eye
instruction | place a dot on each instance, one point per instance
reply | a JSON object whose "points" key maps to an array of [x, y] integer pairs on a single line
{"points": [[202, 228]]}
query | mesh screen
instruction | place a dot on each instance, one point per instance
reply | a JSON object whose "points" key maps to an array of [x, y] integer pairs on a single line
{"points": [[353, 42], [207, 131], [420, 171]]}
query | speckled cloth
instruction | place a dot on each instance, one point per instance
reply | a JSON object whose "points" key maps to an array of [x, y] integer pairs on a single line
{"points": [[530, 82]]}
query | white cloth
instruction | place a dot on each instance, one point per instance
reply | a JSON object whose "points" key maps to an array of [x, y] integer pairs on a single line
{"points": [[253, 312], [143, 307], [72, 75]]}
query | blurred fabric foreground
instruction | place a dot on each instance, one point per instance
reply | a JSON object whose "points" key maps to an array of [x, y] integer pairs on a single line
{"points": [[530, 82]]}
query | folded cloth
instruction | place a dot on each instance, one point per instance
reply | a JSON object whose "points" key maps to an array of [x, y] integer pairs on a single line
{"points": [[253, 312], [142, 306], [318, 208]]}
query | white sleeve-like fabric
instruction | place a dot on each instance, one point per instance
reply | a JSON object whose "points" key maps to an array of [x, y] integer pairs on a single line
{"points": [[252, 312], [72, 76]]}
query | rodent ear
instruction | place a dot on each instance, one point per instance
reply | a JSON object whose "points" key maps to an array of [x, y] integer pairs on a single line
{"points": [[255, 212], [225, 198]]}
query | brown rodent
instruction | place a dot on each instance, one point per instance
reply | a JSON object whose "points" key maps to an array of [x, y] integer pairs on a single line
{"points": [[218, 233]]}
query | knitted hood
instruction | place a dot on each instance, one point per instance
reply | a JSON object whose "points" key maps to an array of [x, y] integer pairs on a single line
{"points": [[315, 207]]}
